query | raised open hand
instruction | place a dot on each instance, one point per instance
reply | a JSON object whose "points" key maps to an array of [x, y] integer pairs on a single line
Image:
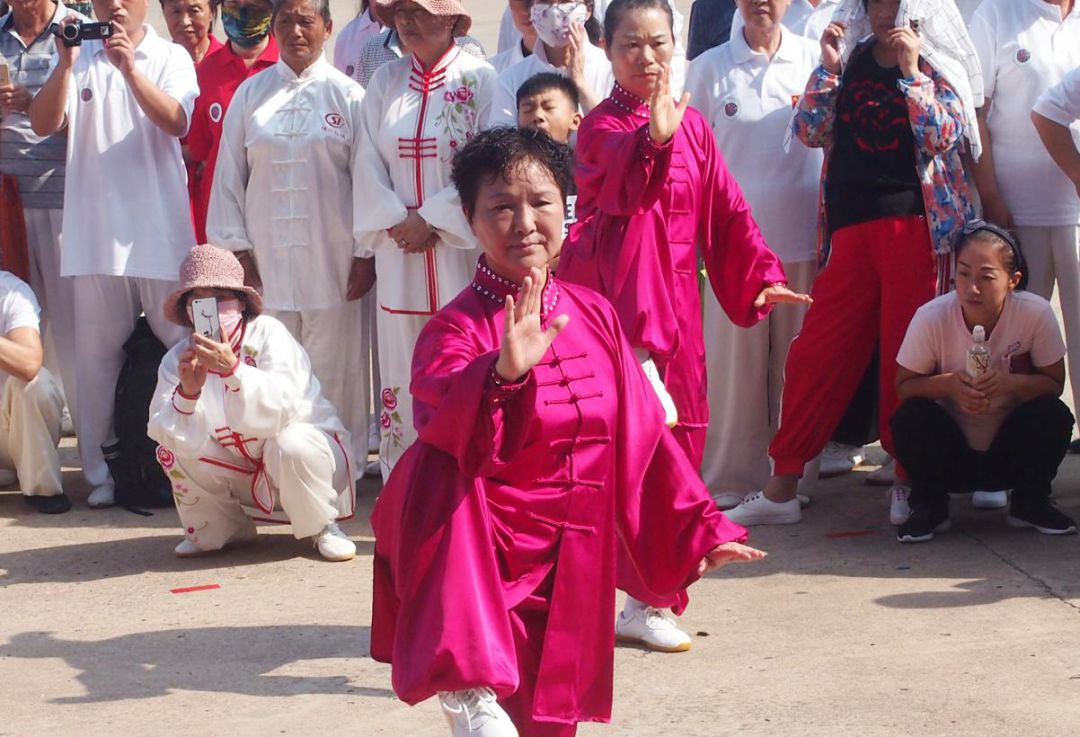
{"points": [[665, 115], [524, 340]]}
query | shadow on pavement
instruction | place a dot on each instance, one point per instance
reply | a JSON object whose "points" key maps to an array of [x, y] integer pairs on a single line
{"points": [[212, 659], [137, 555]]}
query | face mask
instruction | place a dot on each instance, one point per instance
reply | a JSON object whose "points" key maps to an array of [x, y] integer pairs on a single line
{"points": [[230, 314], [552, 22], [246, 27]]}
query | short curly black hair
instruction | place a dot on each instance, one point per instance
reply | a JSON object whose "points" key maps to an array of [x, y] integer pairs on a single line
{"points": [[499, 151]]}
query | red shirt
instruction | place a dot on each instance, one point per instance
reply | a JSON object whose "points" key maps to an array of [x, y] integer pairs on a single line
{"points": [[220, 74], [193, 166]]}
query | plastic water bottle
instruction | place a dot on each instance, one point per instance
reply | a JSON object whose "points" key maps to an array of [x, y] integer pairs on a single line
{"points": [[978, 355]]}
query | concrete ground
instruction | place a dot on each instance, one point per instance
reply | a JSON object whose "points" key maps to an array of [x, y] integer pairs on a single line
{"points": [[841, 631]]}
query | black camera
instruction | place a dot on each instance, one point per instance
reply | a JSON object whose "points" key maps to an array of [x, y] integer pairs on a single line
{"points": [[73, 34]]}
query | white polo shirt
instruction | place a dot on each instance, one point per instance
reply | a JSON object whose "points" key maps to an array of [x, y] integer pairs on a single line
{"points": [[801, 17], [18, 309], [126, 208], [504, 107], [748, 100], [1025, 48], [1061, 103]]}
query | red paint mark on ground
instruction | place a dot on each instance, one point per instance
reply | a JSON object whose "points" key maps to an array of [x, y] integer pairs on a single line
{"points": [[849, 533], [192, 589]]}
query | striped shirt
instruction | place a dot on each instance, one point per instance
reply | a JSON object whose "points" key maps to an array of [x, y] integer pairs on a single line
{"points": [[37, 162]]}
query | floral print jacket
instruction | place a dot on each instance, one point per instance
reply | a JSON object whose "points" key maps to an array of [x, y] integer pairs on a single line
{"points": [[936, 116]]}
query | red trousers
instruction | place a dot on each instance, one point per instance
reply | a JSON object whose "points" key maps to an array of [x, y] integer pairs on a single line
{"points": [[878, 274]]}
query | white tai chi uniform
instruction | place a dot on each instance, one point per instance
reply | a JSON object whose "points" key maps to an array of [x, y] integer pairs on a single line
{"points": [[262, 443], [1025, 48], [29, 412], [747, 99], [283, 190], [504, 106], [414, 121], [127, 222]]}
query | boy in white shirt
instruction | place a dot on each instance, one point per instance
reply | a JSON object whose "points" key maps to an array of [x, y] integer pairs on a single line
{"points": [[126, 101], [30, 402]]}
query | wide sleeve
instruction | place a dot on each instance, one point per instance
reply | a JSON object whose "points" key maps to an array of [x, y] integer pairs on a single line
{"points": [[935, 111], [176, 421], [624, 170], [815, 114], [665, 518], [737, 260], [226, 217], [459, 406], [376, 207], [261, 401]]}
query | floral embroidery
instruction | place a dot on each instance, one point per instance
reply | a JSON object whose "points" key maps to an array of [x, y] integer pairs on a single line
{"points": [[249, 360], [459, 118], [390, 421], [166, 458]]}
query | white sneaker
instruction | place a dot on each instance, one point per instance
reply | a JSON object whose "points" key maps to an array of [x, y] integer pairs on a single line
{"points": [[755, 509], [333, 544], [476, 713], [990, 499], [188, 549], [654, 628], [728, 499], [884, 476], [671, 415], [839, 459], [899, 509], [102, 496]]}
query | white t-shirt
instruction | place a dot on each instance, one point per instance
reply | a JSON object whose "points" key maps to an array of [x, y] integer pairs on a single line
{"points": [[1061, 103], [1025, 48], [18, 308], [938, 339], [126, 208], [747, 100], [504, 107]]}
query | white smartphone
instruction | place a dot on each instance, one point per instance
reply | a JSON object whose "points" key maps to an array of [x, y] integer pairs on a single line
{"points": [[204, 314], [5, 74]]}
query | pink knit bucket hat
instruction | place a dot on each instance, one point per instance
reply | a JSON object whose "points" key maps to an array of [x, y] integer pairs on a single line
{"points": [[384, 10], [209, 267]]}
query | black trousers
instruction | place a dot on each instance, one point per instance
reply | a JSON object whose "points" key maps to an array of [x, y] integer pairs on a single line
{"points": [[1024, 455]]}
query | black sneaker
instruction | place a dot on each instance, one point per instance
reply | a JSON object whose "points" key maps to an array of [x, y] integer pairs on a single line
{"points": [[1043, 516], [923, 523], [57, 504]]}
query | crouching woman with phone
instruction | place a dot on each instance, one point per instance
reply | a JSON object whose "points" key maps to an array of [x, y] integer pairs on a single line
{"points": [[992, 422], [245, 433]]}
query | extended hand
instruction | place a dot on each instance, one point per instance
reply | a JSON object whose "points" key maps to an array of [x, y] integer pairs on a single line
{"points": [[524, 342], [721, 555], [777, 294]]}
